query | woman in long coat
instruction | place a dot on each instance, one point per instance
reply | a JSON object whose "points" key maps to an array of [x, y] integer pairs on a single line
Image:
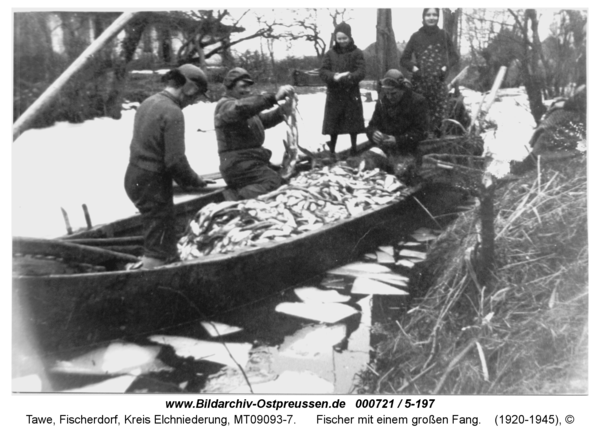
{"points": [[435, 55], [342, 70]]}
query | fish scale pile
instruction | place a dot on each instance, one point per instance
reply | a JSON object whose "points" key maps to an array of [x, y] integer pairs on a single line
{"points": [[311, 199]]}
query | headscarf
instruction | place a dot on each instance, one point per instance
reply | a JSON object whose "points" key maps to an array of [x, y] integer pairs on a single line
{"points": [[425, 12], [396, 79], [430, 29], [344, 28]]}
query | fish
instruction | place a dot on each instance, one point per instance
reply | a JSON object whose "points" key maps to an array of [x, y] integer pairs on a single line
{"points": [[290, 158], [309, 201]]}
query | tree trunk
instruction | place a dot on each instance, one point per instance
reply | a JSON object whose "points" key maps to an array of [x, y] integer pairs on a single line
{"points": [[534, 84], [165, 47], [538, 53], [486, 215], [134, 33], [451, 22], [386, 49], [270, 48]]}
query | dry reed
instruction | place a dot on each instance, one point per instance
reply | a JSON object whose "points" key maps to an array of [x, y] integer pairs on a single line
{"points": [[525, 332]]}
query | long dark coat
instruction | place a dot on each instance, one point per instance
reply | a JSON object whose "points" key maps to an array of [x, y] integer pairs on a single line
{"points": [[343, 107]]}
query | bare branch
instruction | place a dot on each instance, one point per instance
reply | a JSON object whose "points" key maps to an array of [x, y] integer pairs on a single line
{"points": [[240, 19]]}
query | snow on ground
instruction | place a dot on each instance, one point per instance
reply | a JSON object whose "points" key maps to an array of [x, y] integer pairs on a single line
{"points": [[509, 139], [68, 165]]}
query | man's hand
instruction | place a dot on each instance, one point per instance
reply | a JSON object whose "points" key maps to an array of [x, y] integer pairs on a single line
{"points": [[388, 140], [378, 137], [286, 107], [284, 91], [443, 73], [203, 182]]}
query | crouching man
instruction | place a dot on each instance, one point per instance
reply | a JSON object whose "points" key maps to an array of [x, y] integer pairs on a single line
{"points": [[240, 123], [399, 123]]}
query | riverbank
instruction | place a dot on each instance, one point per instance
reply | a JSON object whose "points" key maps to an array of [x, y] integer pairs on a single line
{"points": [[526, 331]]}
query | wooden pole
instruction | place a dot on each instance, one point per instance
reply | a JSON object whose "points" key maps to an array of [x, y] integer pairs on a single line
{"points": [[490, 99], [86, 213], [458, 77], [49, 94], [494, 91], [67, 223]]}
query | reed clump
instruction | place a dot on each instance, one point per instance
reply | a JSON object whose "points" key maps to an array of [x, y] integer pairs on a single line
{"points": [[525, 330]]}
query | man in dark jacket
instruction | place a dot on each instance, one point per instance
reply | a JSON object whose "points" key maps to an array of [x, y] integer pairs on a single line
{"points": [[398, 124], [400, 119], [157, 157], [240, 125]]}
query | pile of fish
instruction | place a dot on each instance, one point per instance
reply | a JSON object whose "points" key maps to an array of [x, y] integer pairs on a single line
{"points": [[311, 199]]}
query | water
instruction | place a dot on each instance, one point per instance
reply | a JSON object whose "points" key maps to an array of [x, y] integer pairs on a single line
{"points": [[288, 354], [276, 352]]}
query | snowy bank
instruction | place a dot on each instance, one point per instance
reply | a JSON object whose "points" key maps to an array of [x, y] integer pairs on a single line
{"points": [[68, 165]]}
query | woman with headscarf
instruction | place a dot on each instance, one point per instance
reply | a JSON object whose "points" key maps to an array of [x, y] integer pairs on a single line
{"points": [[400, 120], [342, 69], [434, 56]]}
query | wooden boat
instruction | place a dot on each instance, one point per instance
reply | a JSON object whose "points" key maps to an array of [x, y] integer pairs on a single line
{"points": [[65, 309]]}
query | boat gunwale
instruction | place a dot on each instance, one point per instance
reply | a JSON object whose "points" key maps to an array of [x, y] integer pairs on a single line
{"points": [[242, 252]]}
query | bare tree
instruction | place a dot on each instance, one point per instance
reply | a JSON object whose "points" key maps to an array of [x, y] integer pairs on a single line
{"points": [[305, 26], [451, 25], [531, 62], [566, 48], [482, 26], [387, 53]]}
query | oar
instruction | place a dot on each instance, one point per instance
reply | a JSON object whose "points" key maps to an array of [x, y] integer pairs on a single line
{"points": [[72, 252], [54, 89]]}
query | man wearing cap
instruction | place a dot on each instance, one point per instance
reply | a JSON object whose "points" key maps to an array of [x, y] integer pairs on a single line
{"points": [[157, 157], [240, 123]]}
